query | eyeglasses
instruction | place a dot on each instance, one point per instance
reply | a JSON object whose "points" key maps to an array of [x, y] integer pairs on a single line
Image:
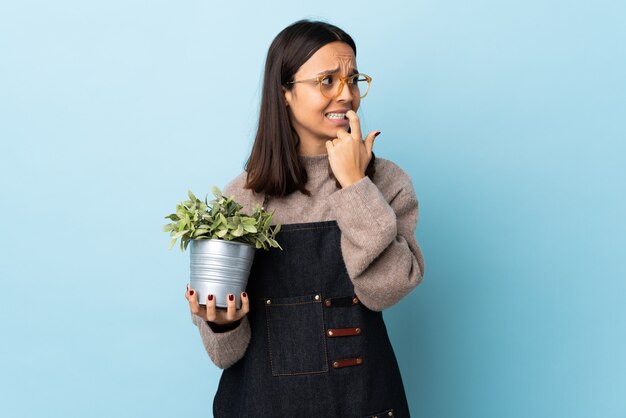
{"points": [[331, 86]]}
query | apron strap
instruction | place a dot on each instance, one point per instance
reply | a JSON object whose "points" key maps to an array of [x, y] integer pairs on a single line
{"points": [[266, 199]]}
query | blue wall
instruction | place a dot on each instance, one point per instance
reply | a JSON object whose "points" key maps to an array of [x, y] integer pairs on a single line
{"points": [[508, 115]]}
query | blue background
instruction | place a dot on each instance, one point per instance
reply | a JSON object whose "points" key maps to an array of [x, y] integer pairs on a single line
{"points": [[508, 115]]}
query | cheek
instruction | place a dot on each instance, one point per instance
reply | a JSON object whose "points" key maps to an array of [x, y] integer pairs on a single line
{"points": [[313, 109]]}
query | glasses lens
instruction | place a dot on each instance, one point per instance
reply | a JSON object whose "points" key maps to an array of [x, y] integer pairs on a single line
{"points": [[329, 86], [358, 84]]}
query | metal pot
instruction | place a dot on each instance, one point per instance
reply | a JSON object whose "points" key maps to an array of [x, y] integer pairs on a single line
{"points": [[220, 267]]}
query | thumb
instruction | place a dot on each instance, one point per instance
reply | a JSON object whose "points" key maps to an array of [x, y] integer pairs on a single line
{"points": [[369, 141]]}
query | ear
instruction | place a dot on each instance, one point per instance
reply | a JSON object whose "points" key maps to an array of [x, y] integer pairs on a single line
{"points": [[287, 94]]}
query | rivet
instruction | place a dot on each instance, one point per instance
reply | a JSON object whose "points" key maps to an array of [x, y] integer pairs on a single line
{"points": [[358, 330], [268, 302], [390, 413], [317, 297], [355, 300], [359, 361], [327, 302], [335, 364], [330, 333]]}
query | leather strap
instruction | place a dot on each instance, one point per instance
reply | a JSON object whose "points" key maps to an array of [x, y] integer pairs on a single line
{"points": [[341, 302], [338, 364], [343, 332]]}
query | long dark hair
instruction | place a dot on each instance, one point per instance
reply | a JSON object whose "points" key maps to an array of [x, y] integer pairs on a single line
{"points": [[273, 167]]}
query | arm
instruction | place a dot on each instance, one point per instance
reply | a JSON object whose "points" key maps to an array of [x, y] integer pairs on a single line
{"points": [[225, 344], [378, 242], [224, 348]]}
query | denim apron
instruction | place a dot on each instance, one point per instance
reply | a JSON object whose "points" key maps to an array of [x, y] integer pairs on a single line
{"points": [[315, 350]]}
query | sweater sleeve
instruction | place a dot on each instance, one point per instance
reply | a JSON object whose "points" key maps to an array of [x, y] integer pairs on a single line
{"points": [[378, 242], [225, 348]]}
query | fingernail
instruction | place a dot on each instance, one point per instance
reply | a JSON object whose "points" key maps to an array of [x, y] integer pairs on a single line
{"points": [[191, 292], [376, 134], [231, 298], [210, 297], [244, 294]]}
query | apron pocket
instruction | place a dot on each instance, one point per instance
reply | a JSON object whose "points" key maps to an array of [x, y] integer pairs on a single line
{"points": [[295, 333]]}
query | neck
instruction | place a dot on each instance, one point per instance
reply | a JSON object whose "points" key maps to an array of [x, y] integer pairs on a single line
{"points": [[312, 149], [310, 144]]}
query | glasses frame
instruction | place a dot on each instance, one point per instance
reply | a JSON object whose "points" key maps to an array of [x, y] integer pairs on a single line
{"points": [[342, 81]]}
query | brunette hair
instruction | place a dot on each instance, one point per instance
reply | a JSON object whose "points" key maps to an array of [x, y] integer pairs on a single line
{"points": [[273, 167]]}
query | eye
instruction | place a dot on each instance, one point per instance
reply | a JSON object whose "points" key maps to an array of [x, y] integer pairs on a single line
{"points": [[327, 81], [355, 78]]}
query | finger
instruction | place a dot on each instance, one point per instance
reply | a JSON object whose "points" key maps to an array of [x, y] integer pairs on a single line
{"points": [[343, 135], [245, 304], [193, 302], [355, 125], [210, 308], [369, 141], [231, 309], [329, 146]]}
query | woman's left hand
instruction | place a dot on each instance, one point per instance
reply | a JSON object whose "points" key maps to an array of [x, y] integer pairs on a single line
{"points": [[349, 154]]}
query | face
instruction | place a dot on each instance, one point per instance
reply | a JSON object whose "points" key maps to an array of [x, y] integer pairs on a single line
{"points": [[309, 109]]}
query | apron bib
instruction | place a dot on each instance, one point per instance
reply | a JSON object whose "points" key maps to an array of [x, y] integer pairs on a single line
{"points": [[315, 350]]}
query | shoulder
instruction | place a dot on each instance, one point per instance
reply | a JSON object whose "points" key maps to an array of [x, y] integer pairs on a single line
{"points": [[245, 197], [391, 180], [236, 185]]}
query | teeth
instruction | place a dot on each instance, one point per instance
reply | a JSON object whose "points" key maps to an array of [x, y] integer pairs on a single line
{"points": [[336, 115]]}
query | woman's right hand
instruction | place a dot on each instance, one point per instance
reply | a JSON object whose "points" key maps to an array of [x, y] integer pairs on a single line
{"points": [[211, 313]]}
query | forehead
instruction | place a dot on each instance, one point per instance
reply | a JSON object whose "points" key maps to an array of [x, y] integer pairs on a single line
{"points": [[330, 56]]}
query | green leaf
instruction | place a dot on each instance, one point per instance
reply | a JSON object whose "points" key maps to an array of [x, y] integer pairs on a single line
{"points": [[239, 231], [249, 228], [180, 234], [198, 232], [216, 192]]}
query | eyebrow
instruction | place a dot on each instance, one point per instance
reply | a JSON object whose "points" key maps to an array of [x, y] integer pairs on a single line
{"points": [[336, 70]]}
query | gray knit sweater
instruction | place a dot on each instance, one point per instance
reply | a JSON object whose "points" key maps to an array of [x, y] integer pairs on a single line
{"points": [[377, 222]]}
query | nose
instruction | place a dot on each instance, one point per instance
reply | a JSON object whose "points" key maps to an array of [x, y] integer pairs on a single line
{"points": [[345, 94]]}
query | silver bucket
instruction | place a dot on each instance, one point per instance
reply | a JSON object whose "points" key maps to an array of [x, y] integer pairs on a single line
{"points": [[220, 267]]}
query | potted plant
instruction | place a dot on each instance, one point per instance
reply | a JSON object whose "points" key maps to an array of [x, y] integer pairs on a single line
{"points": [[223, 243]]}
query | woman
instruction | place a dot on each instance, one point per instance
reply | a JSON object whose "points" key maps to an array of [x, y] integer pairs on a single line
{"points": [[309, 338]]}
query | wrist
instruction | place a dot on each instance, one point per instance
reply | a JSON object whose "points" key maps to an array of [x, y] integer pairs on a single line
{"points": [[219, 328], [351, 180]]}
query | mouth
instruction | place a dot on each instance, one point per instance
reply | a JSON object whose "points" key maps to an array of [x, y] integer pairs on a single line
{"points": [[336, 116]]}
